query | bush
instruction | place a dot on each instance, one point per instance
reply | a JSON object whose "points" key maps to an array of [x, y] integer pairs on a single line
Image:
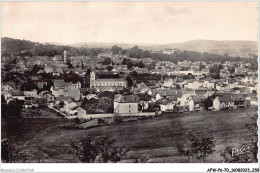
{"points": [[99, 149], [76, 120], [101, 121], [117, 119]]}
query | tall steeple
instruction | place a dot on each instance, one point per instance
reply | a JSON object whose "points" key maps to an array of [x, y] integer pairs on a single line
{"points": [[65, 56]]}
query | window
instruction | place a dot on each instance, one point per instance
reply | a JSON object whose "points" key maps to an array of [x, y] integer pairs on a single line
{"points": [[129, 106], [129, 111]]}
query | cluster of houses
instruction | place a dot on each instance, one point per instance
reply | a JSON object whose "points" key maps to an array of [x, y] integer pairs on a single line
{"points": [[164, 85]]}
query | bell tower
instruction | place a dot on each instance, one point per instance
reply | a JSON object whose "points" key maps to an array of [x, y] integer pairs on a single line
{"points": [[92, 76], [65, 56], [92, 79]]}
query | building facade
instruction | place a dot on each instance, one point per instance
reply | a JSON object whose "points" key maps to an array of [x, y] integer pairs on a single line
{"points": [[107, 84]]}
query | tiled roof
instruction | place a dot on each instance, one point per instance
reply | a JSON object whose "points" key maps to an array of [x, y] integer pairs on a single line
{"points": [[126, 98], [172, 98], [111, 80], [17, 93], [57, 58], [162, 101], [199, 99], [225, 98]]}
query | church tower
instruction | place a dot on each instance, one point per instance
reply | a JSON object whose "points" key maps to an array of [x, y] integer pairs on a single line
{"points": [[92, 79], [65, 56], [92, 76]]}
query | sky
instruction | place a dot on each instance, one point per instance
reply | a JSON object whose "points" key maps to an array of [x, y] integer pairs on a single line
{"points": [[129, 22]]}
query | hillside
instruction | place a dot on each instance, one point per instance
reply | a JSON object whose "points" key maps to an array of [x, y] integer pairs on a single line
{"points": [[12, 46], [232, 48]]}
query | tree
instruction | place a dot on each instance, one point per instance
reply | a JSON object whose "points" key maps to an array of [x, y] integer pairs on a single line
{"points": [[115, 49], [48, 86], [99, 149], [3, 101], [129, 81], [69, 65], [10, 150], [29, 85], [61, 104], [72, 77], [106, 94], [14, 108], [208, 103], [109, 68], [215, 69], [135, 52], [107, 61], [144, 96], [140, 64], [199, 146], [35, 69], [106, 105], [90, 105], [201, 66], [231, 70], [76, 120], [145, 54]]}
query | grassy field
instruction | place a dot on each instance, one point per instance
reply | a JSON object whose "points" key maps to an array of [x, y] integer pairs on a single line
{"points": [[156, 138]]}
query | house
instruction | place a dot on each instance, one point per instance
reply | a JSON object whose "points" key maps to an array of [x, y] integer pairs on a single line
{"points": [[165, 104], [81, 112], [144, 104], [222, 86], [141, 85], [222, 101], [73, 92], [32, 93], [35, 102], [57, 59], [193, 84], [160, 93], [191, 104], [59, 101], [240, 100], [48, 69], [199, 103], [69, 105], [173, 99], [183, 99], [89, 96], [42, 103], [18, 95], [76, 84], [58, 92], [126, 104], [208, 84]]}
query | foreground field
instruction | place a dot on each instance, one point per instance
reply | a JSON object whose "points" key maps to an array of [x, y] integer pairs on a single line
{"points": [[155, 138]]}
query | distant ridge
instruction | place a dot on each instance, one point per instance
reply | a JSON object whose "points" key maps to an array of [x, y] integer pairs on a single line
{"points": [[232, 48]]}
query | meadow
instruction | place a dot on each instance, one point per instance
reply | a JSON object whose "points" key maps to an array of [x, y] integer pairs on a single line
{"points": [[155, 138]]}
